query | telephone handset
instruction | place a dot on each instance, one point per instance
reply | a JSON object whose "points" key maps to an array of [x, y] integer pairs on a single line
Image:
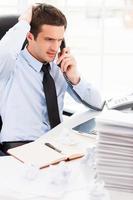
{"points": [[120, 103], [62, 46]]}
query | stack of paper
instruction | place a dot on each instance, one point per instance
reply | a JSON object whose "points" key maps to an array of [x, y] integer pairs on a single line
{"points": [[114, 154]]}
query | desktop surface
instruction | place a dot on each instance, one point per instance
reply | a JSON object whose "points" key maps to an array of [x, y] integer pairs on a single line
{"points": [[20, 185]]}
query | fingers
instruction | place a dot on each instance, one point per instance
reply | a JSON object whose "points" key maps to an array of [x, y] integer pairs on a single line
{"points": [[65, 53], [66, 59], [67, 62], [68, 66], [27, 14]]}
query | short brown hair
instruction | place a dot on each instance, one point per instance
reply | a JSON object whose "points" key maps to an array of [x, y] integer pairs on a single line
{"points": [[46, 14]]}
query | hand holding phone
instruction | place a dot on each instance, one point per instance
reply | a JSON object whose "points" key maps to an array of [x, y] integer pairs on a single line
{"points": [[67, 64]]}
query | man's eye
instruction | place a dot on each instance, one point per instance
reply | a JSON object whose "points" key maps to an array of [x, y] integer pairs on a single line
{"points": [[49, 39]]}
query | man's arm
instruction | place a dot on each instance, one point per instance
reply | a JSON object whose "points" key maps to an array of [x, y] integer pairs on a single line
{"points": [[80, 90], [11, 43], [85, 93]]}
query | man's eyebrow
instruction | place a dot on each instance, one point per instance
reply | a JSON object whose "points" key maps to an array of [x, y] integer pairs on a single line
{"points": [[50, 38], [53, 38]]}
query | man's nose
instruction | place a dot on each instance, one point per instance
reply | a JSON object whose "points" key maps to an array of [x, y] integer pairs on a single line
{"points": [[55, 45]]}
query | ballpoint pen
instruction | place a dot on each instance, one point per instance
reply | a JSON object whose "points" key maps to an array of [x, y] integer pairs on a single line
{"points": [[53, 147]]}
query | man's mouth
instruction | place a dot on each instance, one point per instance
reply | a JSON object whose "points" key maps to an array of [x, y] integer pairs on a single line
{"points": [[51, 55]]}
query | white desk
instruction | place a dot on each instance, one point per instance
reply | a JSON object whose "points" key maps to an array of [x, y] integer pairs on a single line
{"points": [[15, 186]]}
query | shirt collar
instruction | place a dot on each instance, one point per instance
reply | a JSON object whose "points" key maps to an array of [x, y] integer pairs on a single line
{"points": [[33, 62]]}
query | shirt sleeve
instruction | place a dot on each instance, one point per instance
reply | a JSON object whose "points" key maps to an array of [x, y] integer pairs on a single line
{"points": [[87, 93], [10, 47]]}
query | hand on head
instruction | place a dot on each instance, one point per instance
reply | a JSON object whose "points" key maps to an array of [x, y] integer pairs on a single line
{"points": [[27, 14]]}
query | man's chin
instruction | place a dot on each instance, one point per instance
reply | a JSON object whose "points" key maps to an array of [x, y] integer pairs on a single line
{"points": [[50, 59]]}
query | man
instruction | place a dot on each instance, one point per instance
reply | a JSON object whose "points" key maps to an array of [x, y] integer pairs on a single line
{"points": [[23, 105]]}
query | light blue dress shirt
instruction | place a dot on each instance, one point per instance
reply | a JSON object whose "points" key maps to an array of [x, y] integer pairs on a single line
{"points": [[22, 100]]}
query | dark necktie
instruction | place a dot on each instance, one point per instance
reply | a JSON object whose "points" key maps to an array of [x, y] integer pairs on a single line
{"points": [[51, 96]]}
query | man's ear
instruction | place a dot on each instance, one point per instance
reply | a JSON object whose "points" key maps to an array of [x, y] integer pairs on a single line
{"points": [[30, 36]]}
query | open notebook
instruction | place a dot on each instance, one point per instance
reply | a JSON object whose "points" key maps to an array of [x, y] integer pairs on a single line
{"points": [[47, 151]]}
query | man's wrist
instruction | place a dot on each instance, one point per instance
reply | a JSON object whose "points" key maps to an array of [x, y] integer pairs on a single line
{"points": [[23, 19], [75, 80]]}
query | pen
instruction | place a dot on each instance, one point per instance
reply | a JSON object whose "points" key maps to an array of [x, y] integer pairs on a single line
{"points": [[52, 147]]}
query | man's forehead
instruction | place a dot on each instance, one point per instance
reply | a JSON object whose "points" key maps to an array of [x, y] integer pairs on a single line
{"points": [[52, 31], [52, 27]]}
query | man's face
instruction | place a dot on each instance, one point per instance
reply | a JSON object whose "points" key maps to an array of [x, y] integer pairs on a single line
{"points": [[45, 46]]}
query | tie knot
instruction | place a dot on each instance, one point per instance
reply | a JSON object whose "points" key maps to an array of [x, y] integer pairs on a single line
{"points": [[45, 68]]}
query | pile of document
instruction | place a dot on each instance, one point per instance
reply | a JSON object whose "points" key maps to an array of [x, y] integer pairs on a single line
{"points": [[114, 152]]}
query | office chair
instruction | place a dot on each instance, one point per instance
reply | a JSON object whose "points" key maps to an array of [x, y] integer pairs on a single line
{"points": [[6, 22]]}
